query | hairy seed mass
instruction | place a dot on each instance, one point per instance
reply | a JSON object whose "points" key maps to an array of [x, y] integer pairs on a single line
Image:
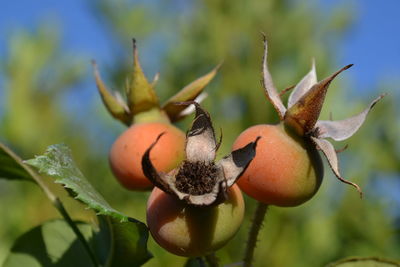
{"points": [[196, 178]]}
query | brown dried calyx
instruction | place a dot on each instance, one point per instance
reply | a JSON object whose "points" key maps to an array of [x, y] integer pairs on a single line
{"points": [[304, 107], [199, 180], [196, 178]]}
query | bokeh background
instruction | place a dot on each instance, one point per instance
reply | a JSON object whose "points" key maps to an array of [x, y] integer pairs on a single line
{"points": [[48, 95]]}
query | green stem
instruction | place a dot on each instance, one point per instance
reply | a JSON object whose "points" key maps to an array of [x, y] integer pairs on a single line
{"points": [[258, 219], [212, 260], [198, 261], [60, 207]]}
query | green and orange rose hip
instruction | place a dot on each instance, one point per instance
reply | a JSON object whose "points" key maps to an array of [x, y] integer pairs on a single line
{"points": [[146, 119], [196, 208], [287, 170]]}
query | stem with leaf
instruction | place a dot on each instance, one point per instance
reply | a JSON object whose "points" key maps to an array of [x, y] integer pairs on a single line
{"points": [[60, 207], [54, 200]]}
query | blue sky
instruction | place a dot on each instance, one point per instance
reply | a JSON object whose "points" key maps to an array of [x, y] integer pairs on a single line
{"points": [[81, 31], [372, 44]]}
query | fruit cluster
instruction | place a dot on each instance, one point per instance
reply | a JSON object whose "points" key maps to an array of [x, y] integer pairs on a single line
{"points": [[196, 205]]}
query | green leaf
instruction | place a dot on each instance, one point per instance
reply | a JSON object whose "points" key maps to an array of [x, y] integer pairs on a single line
{"points": [[125, 242], [26, 170], [57, 162], [188, 93], [50, 244], [11, 166], [121, 241], [364, 262], [53, 243], [141, 94]]}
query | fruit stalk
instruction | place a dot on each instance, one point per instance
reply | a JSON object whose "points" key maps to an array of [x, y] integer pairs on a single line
{"points": [[258, 219], [212, 260]]}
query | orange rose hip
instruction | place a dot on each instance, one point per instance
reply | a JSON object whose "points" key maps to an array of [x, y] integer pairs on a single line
{"points": [[127, 151]]}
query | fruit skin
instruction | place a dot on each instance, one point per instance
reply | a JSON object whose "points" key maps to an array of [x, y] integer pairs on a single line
{"points": [[286, 171], [126, 153], [191, 231]]}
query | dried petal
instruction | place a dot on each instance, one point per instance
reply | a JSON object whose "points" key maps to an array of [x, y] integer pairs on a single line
{"points": [[236, 163], [343, 129], [329, 151], [114, 103], [303, 86], [120, 100], [303, 115], [155, 80], [141, 94], [188, 93], [270, 90], [200, 144], [190, 109]]}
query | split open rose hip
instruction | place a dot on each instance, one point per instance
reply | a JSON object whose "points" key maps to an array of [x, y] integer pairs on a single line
{"points": [[196, 208], [287, 170]]}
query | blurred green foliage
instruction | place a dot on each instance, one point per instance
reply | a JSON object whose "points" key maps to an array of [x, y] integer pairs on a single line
{"points": [[185, 40]]}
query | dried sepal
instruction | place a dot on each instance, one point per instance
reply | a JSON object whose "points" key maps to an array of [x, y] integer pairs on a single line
{"points": [[140, 93], [269, 87], [219, 140], [236, 163], [304, 107], [329, 151], [303, 115], [114, 102], [155, 80], [190, 109], [189, 93], [303, 86], [142, 103], [343, 129], [161, 180], [200, 141]]}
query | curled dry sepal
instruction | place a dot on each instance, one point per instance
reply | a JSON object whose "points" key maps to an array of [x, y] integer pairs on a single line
{"points": [[199, 180], [304, 107], [141, 97]]}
